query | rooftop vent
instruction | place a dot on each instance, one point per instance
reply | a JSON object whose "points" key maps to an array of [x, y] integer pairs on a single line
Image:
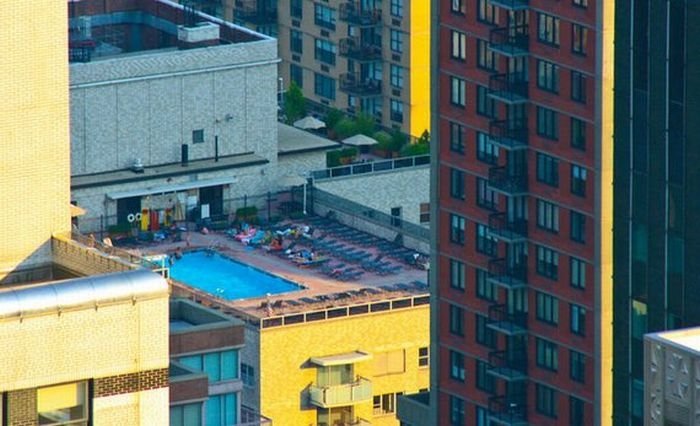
{"points": [[137, 166]]}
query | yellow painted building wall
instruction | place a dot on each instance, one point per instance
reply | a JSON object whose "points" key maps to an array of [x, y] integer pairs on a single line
{"points": [[420, 67], [285, 351], [34, 130], [89, 343]]}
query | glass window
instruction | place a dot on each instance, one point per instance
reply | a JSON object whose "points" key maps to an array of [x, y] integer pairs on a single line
{"points": [[458, 91], [577, 415], [579, 34], [485, 196], [548, 76], [457, 225], [396, 38], [186, 415], [456, 411], [577, 227], [547, 308], [457, 366], [324, 86], [396, 108], [456, 138], [219, 366], [547, 262], [457, 274], [548, 29], [484, 335], [222, 409], [63, 404], [459, 45], [577, 366], [578, 133], [456, 320], [397, 8], [547, 169], [198, 136], [458, 6], [297, 74], [639, 319], [295, 8], [247, 375], [578, 273], [457, 184], [547, 123], [484, 381], [487, 13], [546, 400], [578, 319], [424, 213], [397, 74], [324, 16], [547, 354], [296, 41], [486, 151], [485, 289], [423, 357], [486, 58], [485, 105], [578, 87], [581, 3], [324, 51], [578, 180], [548, 216], [485, 243]]}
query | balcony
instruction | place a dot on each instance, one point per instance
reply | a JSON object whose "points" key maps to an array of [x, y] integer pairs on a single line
{"points": [[509, 134], [508, 182], [510, 88], [508, 366], [339, 395], [510, 41], [355, 14], [359, 50], [506, 275], [509, 230], [414, 409], [505, 322], [508, 410], [358, 86], [511, 4], [255, 12]]}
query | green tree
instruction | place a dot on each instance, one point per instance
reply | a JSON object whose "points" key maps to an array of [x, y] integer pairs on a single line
{"points": [[333, 117], [365, 124], [294, 103], [345, 128]]}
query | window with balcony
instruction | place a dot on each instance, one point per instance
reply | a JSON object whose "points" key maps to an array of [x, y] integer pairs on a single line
{"points": [[578, 87], [578, 134], [548, 76], [578, 319], [396, 8], [578, 180], [296, 41], [459, 45], [458, 6], [456, 411], [222, 409], [547, 262], [547, 123], [546, 400], [457, 279], [487, 13], [484, 335], [547, 354], [324, 16], [484, 288], [579, 36], [486, 151], [547, 308], [547, 216], [547, 169], [63, 404], [219, 366], [577, 366], [457, 225], [456, 320], [186, 414], [396, 74], [485, 57], [457, 178], [396, 41], [485, 243], [324, 86], [296, 73], [577, 227], [295, 9], [548, 29], [457, 138], [325, 51], [423, 357], [485, 196], [485, 105], [484, 381], [578, 273], [458, 92], [456, 365]]}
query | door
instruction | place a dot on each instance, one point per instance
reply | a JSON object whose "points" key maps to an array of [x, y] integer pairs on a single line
{"points": [[126, 207], [214, 196]]}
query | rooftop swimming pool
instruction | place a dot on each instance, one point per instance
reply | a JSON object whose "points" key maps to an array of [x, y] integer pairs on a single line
{"points": [[223, 277]]}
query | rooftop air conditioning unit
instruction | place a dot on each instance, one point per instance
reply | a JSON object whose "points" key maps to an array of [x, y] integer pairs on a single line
{"points": [[137, 167]]}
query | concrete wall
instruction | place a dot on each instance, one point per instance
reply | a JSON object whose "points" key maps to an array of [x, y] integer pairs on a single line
{"points": [[34, 152], [300, 164], [382, 191], [147, 105]]}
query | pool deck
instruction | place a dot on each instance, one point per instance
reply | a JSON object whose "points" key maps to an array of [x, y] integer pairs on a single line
{"points": [[321, 291]]}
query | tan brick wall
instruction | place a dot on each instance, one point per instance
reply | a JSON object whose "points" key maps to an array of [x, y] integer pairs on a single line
{"points": [[34, 127], [91, 343], [132, 382], [84, 261], [21, 405]]}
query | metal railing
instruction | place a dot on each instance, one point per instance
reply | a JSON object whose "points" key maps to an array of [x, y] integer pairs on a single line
{"points": [[511, 4], [510, 365], [512, 40], [371, 167], [508, 409], [503, 179], [360, 50], [343, 394], [371, 215], [509, 134], [355, 13], [508, 322], [508, 229], [509, 87], [357, 85], [512, 276]]}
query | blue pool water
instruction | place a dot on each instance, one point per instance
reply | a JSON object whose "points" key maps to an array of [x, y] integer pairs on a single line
{"points": [[227, 278]]}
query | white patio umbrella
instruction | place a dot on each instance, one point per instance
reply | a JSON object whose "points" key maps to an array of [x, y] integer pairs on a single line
{"points": [[360, 140], [309, 123]]}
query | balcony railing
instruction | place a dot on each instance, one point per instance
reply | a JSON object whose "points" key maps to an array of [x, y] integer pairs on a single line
{"points": [[506, 275], [506, 322], [356, 85], [339, 395], [510, 230], [509, 134], [508, 365], [510, 88], [510, 41], [511, 4], [355, 14], [510, 410], [359, 50], [254, 12], [507, 181]]}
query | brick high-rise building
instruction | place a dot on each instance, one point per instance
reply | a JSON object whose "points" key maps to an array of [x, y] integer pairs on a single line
{"points": [[523, 195]]}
